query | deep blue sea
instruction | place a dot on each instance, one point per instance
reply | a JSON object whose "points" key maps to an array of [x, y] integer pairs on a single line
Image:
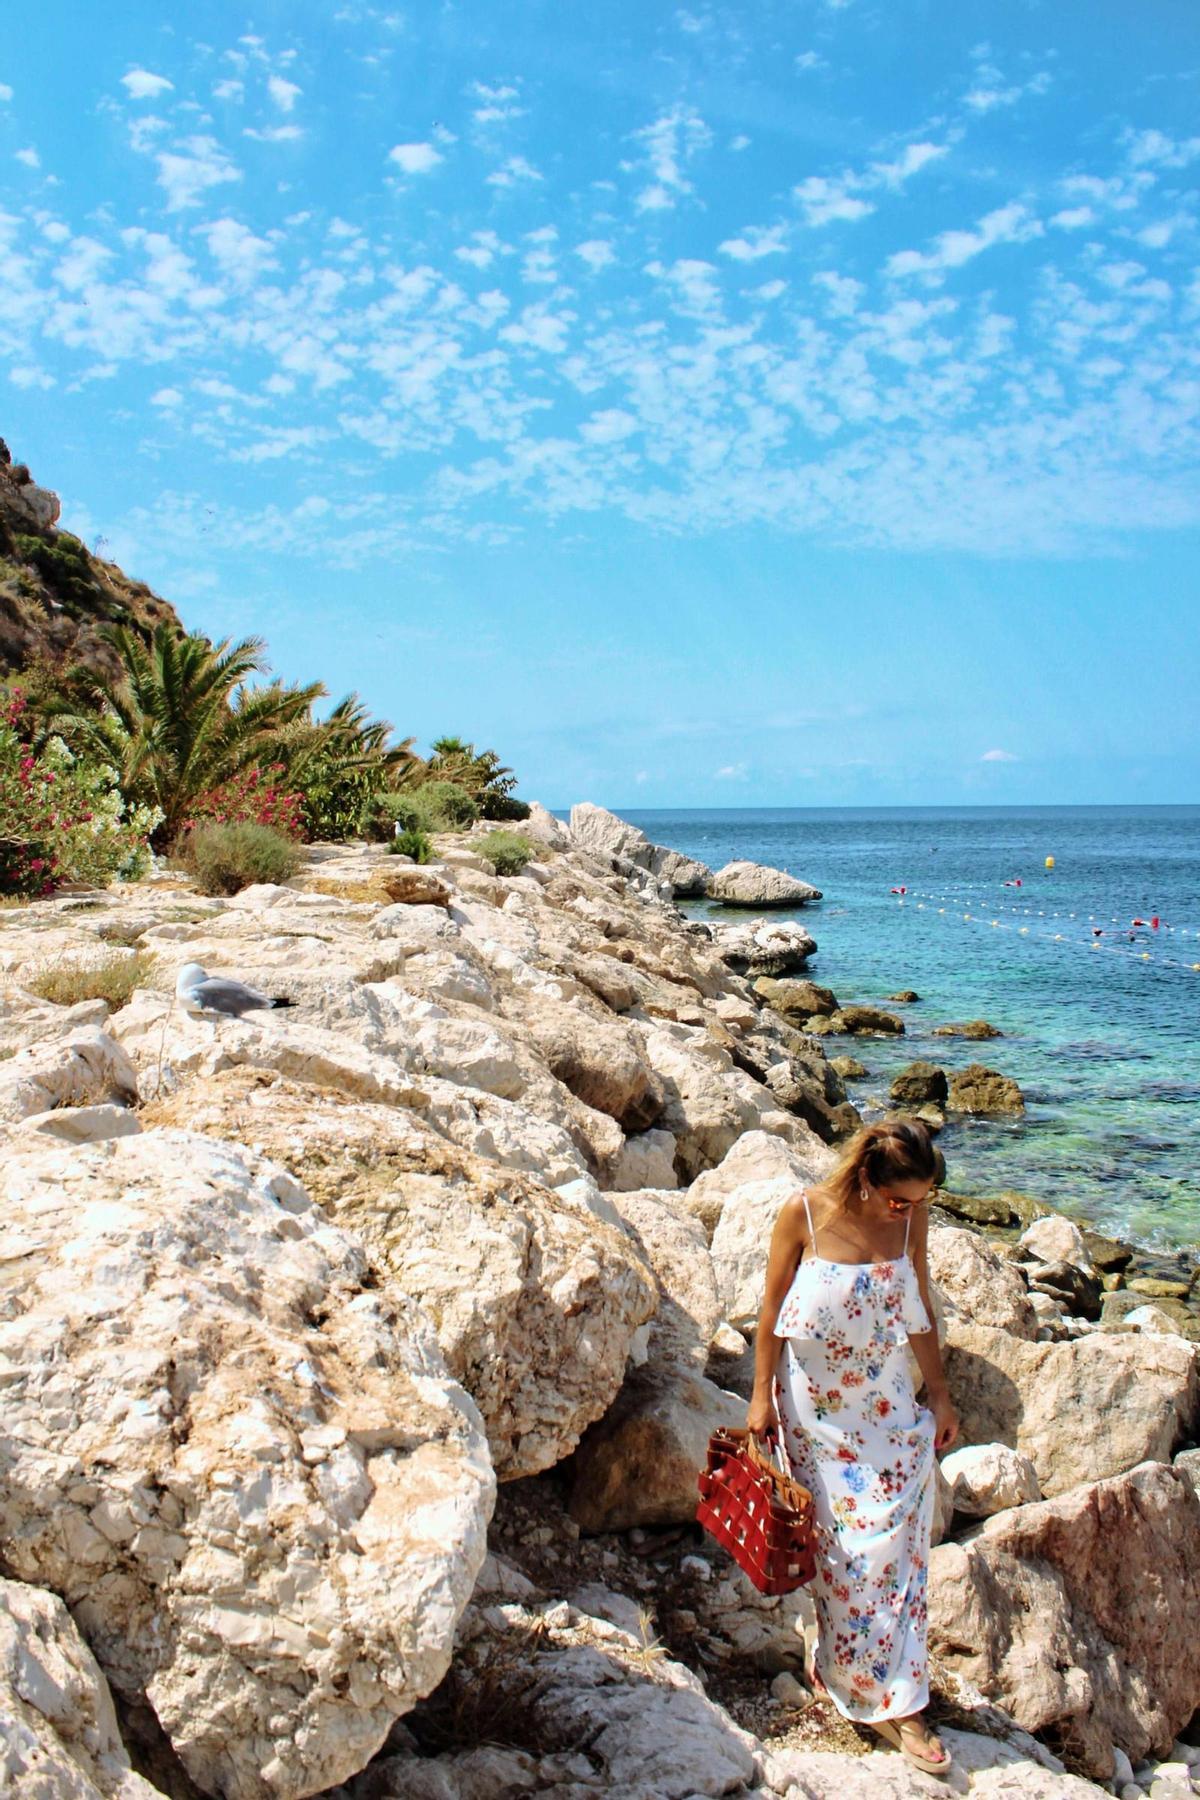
{"points": [[1101, 1017]]}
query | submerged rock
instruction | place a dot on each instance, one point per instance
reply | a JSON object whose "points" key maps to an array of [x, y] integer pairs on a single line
{"points": [[968, 1028]]}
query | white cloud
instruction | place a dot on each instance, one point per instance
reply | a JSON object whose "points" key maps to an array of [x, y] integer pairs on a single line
{"points": [[415, 159], [824, 201], [609, 426], [740, 142], [1158, 148], [755, 241], [732, 772], [142, 85], [510, 173], [671, 143], [999, 756], [274, 134], [29, 157], [239, 253], [597, 253], [1121, 192], [990, 90], [808, 59], [912, 158], [1073, 218], [6, 92], [284, 93], [844, 292], [1006, 225], [497, 105], [186, 173], [167, 397], [481, 251], [229, 90]]}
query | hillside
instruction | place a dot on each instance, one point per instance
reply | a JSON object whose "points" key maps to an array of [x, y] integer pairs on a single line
{"points": [[55, 596]]}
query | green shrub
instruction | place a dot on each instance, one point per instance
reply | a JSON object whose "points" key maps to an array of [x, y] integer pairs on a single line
{"points": [[435, 806], [223, 859], [112, 979], [412, 843], [507, 851], [502, 806]]}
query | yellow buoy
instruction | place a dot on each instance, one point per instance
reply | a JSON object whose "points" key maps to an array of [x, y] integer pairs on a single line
{"points": [[1145, 956], [1049, 862]]}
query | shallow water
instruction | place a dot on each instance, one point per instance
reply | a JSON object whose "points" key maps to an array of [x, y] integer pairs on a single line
{"points": [[1102, 1032]]}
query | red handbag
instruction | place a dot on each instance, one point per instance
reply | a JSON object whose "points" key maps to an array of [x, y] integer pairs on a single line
{"points": [[758, 1512]]}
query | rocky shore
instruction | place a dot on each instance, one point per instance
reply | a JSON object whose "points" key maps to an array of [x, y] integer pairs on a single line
{"points": [[358, 1359]]}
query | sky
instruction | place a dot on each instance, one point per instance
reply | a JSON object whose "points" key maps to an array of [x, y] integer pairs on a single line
{"points": [[794, 402]]}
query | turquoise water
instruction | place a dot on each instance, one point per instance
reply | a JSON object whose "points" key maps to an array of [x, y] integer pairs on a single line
{"points": [[1102, 1032]]}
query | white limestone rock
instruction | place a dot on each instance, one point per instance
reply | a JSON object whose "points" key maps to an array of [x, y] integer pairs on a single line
{"points": [[247, 1473], [58, 1731], [80, 1070], [990, 1478]]}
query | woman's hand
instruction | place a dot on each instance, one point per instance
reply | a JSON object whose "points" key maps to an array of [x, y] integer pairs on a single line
{"points": [[762, 1417], [945, 1420]]}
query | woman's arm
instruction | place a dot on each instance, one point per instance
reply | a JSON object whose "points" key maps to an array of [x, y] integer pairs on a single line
{"points": [[925, 1344], [787, 1244]]}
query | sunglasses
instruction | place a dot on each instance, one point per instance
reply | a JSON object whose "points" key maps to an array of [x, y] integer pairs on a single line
{"points": [[898, 1205]]}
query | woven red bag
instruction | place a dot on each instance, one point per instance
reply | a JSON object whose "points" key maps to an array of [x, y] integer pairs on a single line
{"points": [[758, 1512]]}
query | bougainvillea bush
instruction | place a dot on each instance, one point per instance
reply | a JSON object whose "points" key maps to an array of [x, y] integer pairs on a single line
{"points": [[61, 819], [255, 797]]}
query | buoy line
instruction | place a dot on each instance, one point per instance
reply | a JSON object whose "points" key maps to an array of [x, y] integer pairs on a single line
{"points": [[951, 905]]}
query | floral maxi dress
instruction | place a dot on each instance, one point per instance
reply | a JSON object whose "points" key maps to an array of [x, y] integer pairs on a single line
{"points": [[857, 1438]]}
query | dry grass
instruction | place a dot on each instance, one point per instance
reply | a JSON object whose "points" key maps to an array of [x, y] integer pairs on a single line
{"points": [[488, 1696], [113, 979]]}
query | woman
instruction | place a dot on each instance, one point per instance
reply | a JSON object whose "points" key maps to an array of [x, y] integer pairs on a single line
{"points": [[847, 1289]]}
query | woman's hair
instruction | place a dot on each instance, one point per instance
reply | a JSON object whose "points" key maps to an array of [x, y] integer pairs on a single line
{"points": [[891, 1150]]}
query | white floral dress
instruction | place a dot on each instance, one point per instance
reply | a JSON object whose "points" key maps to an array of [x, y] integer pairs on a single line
{"points": [[857, 1438]]}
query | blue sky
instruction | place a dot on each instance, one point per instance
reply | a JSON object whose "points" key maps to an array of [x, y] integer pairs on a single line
{"points": [[718, 404]]}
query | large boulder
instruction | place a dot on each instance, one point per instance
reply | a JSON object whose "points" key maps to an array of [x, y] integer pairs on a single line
{"points": [[753, 884], [675, 1245], [599, 1058], [978, 1284], [1081, 1411], [749, 1187], [244, 1467], [535, 1299], [638, 1466], [58, 1731], [545, 828], [919, 1083], [602, 833], [707, 1107], [977, 1089], [989, 1478], [795, 999], [764, 946], [1081, 1615]]}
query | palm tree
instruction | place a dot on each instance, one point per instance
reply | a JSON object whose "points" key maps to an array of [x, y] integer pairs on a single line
{"points": [[180, 720], [482, 774], [342, 763]]}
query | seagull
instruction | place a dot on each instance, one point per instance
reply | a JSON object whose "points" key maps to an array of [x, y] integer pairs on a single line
{"points": [[201, 993]]}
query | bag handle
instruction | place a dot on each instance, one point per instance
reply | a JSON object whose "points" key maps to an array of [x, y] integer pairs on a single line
{"points": [[774, 1437]]}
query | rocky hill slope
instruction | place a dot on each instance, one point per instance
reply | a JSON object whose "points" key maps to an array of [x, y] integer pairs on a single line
{"points": [[54, 594], [358, 1360]]}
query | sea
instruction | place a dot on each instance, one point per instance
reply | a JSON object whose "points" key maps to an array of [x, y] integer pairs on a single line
{"points": [[1074, 929]]}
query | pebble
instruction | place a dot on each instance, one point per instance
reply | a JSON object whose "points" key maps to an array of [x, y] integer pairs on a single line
{"points": [[1131, 1791], [1122, 1773], [696, 1565], [788, 1690]]}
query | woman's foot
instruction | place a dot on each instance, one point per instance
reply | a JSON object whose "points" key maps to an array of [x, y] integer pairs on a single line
{"points": [[916, 1743]]}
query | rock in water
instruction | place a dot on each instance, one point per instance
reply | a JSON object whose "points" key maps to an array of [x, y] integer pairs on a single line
{"points": [[918, 1084], [246, 1471], [977, 1089], [753, 884], [58, 1731], [1081, 1615]]}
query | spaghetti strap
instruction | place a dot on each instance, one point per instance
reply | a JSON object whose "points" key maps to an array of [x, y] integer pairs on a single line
{"points": [[812, 1230], [907, 1229]]}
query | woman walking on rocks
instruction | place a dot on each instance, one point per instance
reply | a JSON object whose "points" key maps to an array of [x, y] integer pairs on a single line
{"points": [[847, 1289]]}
